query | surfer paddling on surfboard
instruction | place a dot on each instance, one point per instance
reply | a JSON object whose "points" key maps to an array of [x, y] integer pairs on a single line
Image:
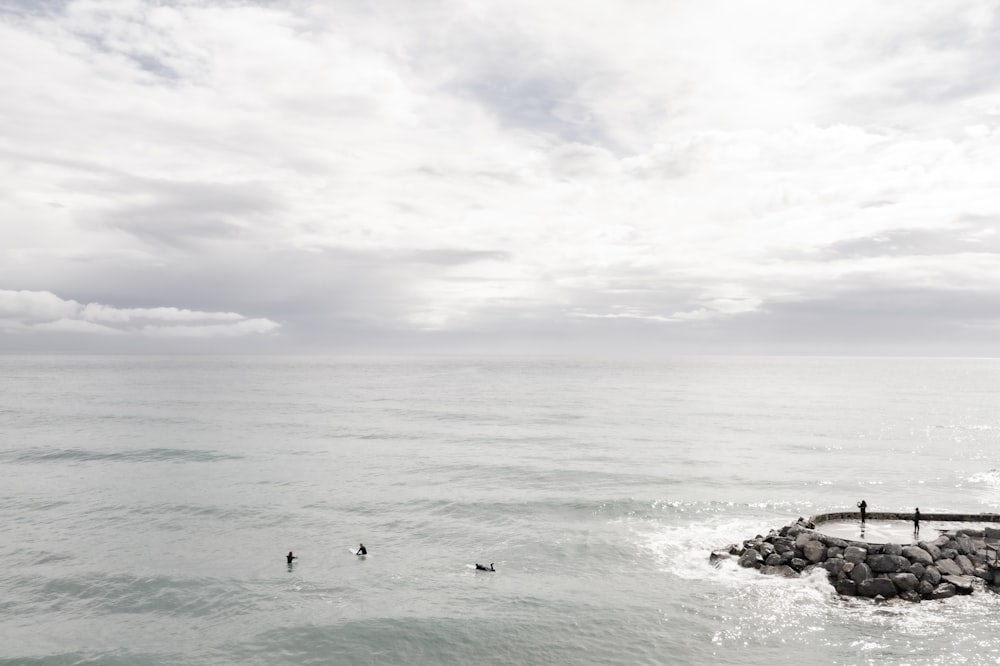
{"points": [[481, 567], [361, 550]]}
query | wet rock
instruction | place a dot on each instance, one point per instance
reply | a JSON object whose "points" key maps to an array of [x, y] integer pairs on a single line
{"points": [[814, 551], [888, 563], [781, 570], [855, 554], [932, 575], [948, 567], [916, 554], [962, 584], [965, 564], [752, 559], [873, 587], [931, 549], [942, 591], [847, 587], [904, 581], [861, 572]]}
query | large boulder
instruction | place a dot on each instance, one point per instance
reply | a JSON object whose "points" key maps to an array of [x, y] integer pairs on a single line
{"points": [[780, 570], [888, 563], [784, 545], [925, 589], [916, 554], [904, 581], [965, 564], [751, 559], [814, 551], [892, 549], [834, 567], [932, 575], [963, 584], [855, 554], [942, 591], [874, 587], [966, 546], [948, 567], [931, 549], [861, 572], [847, 587]]}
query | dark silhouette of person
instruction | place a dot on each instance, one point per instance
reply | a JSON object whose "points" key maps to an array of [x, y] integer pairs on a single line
{"points": [[290, 557], [481, 567], [361, 550], [863, 505], [916, 520]]}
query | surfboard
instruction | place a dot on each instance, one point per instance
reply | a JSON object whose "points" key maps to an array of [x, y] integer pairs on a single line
{"points": [[353, 551]]}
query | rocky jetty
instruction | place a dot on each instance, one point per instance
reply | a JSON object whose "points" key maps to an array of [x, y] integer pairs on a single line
{"points": [[956, 562]]}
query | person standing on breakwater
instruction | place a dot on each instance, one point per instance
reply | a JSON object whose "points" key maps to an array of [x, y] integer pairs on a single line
{"points": [[863, 505], [916, 520]]}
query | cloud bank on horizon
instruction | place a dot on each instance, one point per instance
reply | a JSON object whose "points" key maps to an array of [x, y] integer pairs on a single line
{"points": [[295, 175]]}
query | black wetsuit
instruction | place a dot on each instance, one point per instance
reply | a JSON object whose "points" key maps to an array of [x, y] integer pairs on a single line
{"points": [[362, 550], [290, 557], [916, 520], [863, 505]]}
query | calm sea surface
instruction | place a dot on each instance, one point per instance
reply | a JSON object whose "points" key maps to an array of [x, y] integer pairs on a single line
{"points": [[147, 504]]}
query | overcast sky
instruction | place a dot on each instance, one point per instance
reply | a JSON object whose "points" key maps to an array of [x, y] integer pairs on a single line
{"points": [[641, 176]]}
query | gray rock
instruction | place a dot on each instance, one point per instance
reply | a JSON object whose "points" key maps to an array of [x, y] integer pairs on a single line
{"points": [[855, 554], [932, 575], [873, 587], [780, 570], [861, 572], [942, 591], [834, 542], [963, 584], [847, 587], [834, 553], [931, 549], [949, 553], [752, 558], [966, 546], [992, 532], [904, 581], [918, 570], [847, 568], [803, 538], [798, 564], [948, 567], [888, 563], [717, 557], [784, 545], [965, 564], [833, 567], [772, 560], [916, 554], [766, 549], [892, 549], [814, 551], [925, 588], [911, 596]]}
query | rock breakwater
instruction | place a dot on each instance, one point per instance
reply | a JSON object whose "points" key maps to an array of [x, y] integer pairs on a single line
{"points": [[956, 562]]}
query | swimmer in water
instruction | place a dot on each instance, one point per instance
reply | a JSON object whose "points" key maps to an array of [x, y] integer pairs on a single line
{"points": [[480, 567], [290, 557], [361, 550]]}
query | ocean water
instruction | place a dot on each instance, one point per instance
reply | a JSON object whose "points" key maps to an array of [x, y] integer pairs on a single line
{"points": [[147, 504]]}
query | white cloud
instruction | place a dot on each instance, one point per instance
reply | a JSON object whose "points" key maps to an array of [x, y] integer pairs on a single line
{"points": [[659, 161], [43, 311]]}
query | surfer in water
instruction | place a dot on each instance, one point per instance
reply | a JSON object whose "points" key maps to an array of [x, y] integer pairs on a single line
{"points": [[290, 557], [481, 567], [361, 550], [863, 505]]}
